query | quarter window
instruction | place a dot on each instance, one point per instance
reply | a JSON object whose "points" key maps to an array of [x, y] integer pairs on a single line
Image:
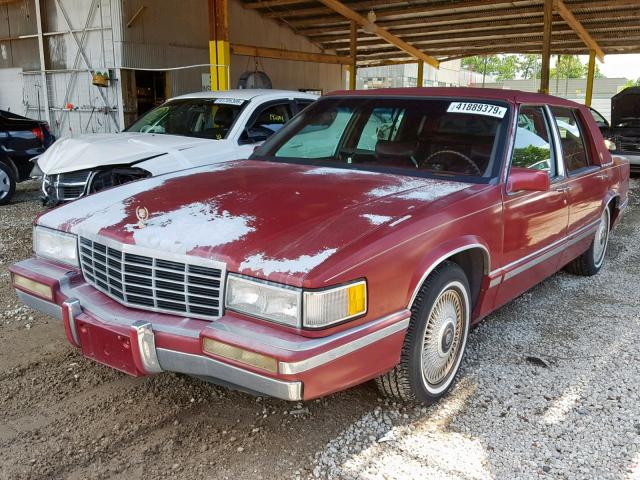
{"points": [[570, 129], [532, 148]]}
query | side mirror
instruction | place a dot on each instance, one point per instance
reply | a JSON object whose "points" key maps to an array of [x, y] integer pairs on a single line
{"points": [[253, 135], [527, 179]]}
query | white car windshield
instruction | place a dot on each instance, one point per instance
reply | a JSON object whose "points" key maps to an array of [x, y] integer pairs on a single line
{"points": [[410, 136], [204, 118]]}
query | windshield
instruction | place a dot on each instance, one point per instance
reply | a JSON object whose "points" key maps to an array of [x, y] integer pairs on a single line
{"points": [[419, 137], [204, 118]]}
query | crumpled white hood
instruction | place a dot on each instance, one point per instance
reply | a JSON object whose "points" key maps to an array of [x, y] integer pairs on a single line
{"points": [[94, 150]]}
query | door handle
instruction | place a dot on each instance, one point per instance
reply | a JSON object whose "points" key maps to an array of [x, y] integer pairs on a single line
{"points": [[602, 176], [562, 189]]}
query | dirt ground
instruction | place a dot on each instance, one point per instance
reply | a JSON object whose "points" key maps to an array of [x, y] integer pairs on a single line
{"points": [[62, 416]]}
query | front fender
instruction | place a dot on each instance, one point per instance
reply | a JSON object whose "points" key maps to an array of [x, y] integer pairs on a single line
{"points": [[444, 251]]}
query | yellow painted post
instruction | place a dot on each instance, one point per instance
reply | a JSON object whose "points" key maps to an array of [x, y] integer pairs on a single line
{"points": [[420, 82], [219, 54], [590, 74], [546, 47], [353, 68]]}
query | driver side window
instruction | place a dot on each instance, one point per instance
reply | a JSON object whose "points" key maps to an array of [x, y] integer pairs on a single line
{"points": [[532, 147], [268, 121]]}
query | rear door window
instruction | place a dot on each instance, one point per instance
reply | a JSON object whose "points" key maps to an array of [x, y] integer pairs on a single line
{"points": [[574, 150]]}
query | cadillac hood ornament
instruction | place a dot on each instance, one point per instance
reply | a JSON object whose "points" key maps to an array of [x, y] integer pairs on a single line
{"points": [[143, 215]]}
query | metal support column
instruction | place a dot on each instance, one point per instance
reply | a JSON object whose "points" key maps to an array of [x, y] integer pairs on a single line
{"points": [[43, 65], [219, 52], [546, 46], [353, 67], [420, 82], [590, 74]]}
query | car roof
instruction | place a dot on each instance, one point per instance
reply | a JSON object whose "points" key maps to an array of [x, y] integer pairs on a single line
{"points": [[247, 94], [512, 96]]}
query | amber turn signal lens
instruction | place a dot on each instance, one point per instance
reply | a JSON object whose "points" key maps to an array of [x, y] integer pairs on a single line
{"points": [[32, 286], [240, 355]]}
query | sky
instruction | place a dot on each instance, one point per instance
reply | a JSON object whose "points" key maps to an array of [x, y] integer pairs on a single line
{"points": [[615, 66]]}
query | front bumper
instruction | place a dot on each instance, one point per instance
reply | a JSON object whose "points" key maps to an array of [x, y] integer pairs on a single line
{"points": [[141, 343]]}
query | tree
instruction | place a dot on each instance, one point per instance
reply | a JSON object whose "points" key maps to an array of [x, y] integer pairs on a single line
{"points": [[503, 67], [529, 65], [632, 83], [568, 66]]}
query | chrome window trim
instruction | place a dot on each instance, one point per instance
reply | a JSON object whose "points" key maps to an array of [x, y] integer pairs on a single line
{"points": [[125, 248]]}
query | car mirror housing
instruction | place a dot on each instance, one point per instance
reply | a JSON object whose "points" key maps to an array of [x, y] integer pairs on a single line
{"points": [[527, 179]]}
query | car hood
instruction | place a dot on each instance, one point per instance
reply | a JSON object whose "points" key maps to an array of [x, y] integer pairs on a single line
{"points": [[271, 220], [95, 150]]}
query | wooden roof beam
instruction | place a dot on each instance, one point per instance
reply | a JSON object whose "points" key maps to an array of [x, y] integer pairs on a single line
{"points": [[577, 27], [280, 54], [346, 12]]}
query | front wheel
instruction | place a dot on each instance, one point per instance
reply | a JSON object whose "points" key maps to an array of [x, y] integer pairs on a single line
{"points": [[590, 262], [435, 340], [7, 183]]}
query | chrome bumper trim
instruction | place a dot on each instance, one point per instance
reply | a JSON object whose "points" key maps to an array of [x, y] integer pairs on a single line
{"points": [[190, 364], [147, 346], [73, 307], [333, 354], [43, 306]]}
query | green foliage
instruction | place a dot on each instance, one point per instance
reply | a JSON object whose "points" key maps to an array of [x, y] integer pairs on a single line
{"points": [[632, 83], [509, 67], [531, 157]]}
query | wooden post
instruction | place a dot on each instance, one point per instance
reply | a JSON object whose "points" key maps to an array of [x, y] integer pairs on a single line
{"points": [[219, 55], [590, 74], [546, 46], [353, 68], [420, 82], [43, 67]]}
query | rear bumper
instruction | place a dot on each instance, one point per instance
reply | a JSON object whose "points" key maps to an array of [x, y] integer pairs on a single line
{"points": [[143, 343]]}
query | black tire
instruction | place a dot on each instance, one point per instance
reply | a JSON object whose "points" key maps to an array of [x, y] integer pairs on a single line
{"points": [[7, 183], [591, 261], [408, 381]]}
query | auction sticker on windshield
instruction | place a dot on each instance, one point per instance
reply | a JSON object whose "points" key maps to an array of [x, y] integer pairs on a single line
{"points": [[229, 101], [477, 108]]}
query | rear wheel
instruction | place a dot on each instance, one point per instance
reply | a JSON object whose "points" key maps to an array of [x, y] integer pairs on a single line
{"points": [[590, 262], [435, 340], [7, 183]]}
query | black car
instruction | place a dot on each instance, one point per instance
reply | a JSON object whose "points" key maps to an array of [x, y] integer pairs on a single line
{"points": [[624, 130], [21, 139]]}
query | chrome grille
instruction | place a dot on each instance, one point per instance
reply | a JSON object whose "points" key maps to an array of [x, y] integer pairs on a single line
{"points": [[152, 282], [66, 186]]}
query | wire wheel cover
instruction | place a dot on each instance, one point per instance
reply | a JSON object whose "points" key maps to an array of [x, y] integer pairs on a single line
{"points": [[443, 337], [601, 238]]}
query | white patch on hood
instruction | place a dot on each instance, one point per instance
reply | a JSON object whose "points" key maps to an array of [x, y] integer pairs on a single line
{"points": [[302, 264], [417, 189], [104, 209], [190, 226], [337, 171], [376, 219]]}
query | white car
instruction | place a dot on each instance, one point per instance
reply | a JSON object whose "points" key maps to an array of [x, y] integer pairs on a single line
{"points": [[184, 132]]}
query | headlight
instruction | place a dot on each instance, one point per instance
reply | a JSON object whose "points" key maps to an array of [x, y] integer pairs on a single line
{"points": [[263, 299], [55, 245], [291, 306]]}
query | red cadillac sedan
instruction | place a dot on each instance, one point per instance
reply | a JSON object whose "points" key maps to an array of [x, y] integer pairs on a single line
{"points": [[360, 242]]}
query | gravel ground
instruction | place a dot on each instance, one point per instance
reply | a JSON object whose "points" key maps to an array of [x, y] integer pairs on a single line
{"points": [[548, 389]]}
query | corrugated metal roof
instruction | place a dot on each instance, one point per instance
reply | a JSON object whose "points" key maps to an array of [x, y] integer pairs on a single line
{"points": [[447, 29]]}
